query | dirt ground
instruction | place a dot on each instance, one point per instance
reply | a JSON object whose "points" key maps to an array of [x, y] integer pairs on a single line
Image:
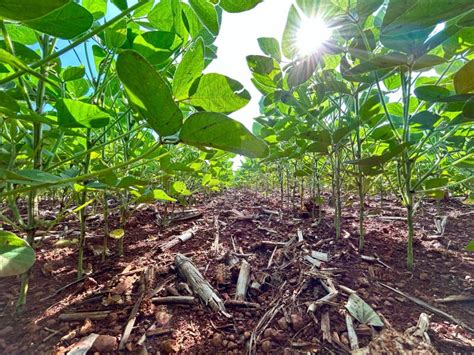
{"points": [[257, 229]]}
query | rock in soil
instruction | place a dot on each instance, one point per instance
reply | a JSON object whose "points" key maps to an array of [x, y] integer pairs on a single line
{"points": [[105, 344]]}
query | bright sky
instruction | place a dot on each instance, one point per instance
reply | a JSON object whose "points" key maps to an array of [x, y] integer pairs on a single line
{"points": [[238, 38]]}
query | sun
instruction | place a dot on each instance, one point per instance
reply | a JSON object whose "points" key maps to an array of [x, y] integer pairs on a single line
{"points": [[311, 35]]}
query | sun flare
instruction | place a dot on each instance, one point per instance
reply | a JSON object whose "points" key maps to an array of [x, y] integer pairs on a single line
{"points": [[312, 34]]}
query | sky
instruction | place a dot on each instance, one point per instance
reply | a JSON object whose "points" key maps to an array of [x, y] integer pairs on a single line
{"points": [[238, 38]]}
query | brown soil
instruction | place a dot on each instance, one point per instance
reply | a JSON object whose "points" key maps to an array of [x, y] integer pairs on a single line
{"points": [[443, 268]]}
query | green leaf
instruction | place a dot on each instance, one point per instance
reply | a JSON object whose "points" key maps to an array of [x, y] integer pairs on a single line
{"points": [[207, 129], [302, 71], [117, 233], [66, 22], [470, 246], [362, 311], [464, 78], [30, 177], [387, 61], [128, 181], [404, 16], [116, 35], [468, 109], [189, 69], [218, 93], [270, 47], [7, 103], [155, 195], [21, 34], [97, 8], [16, 255], [157, 46], [207, 14], [380, 159], [77, 114], [23, 10], [431, 92], [180, 188], [238, 5], [149, 93], [121, 4], [73, 73], [290, 34], [425, 119], [366, 8]]}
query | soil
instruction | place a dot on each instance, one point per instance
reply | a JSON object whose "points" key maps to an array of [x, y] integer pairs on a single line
{"points": [[242, 219]]}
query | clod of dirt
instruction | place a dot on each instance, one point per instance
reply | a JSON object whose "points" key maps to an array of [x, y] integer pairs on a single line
{"points": [[424, 276], [269, 333], [267, 346], [282, 323], [6, 330], [105, 344], [169, 346], [296, 322], [217, 340]]}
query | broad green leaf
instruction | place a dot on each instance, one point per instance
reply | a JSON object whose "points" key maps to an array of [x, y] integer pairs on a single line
{"points": [[362, 311], [149, 93], [386, 61], [290, 34], [30, 177], [431, 92], [22, 52], [216, 130], [302, 71], [207, 14], [189, 69], [67, 22], [23, 10], [77, 114], [157, 46], [157, 194], [468, 109], [8, 104], [470, 246], [131, 181], [238, 5], [404, 16], [21, 34], [425, 119], [366, 8], [97, 8], [73, 73], [116, 35], [117, 233], [270, 47], [464, 78], [180, 188], [380, 159], [121, 4], [218, 93], [16, 255]]}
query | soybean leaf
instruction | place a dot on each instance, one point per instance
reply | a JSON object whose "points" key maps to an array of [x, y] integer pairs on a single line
{"points": [[431, 92], [116, 35], [66, 22], [77, 114], [188, 70], [28, 9], [30, 177], [8, 104], [362, 311], [21, 34], [470, 246], [290, 33], [157, 46], [302, 71], [149, 93], [218, 93], [180, 188], [207, 14], [404, 16], [270, 47], [380, 159], [16, 255], [216, 130], [387, 61], [425, 119], [464, 78], [238, 5], [97, 8], [117, 233], [155, 195], [73, 73]]}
